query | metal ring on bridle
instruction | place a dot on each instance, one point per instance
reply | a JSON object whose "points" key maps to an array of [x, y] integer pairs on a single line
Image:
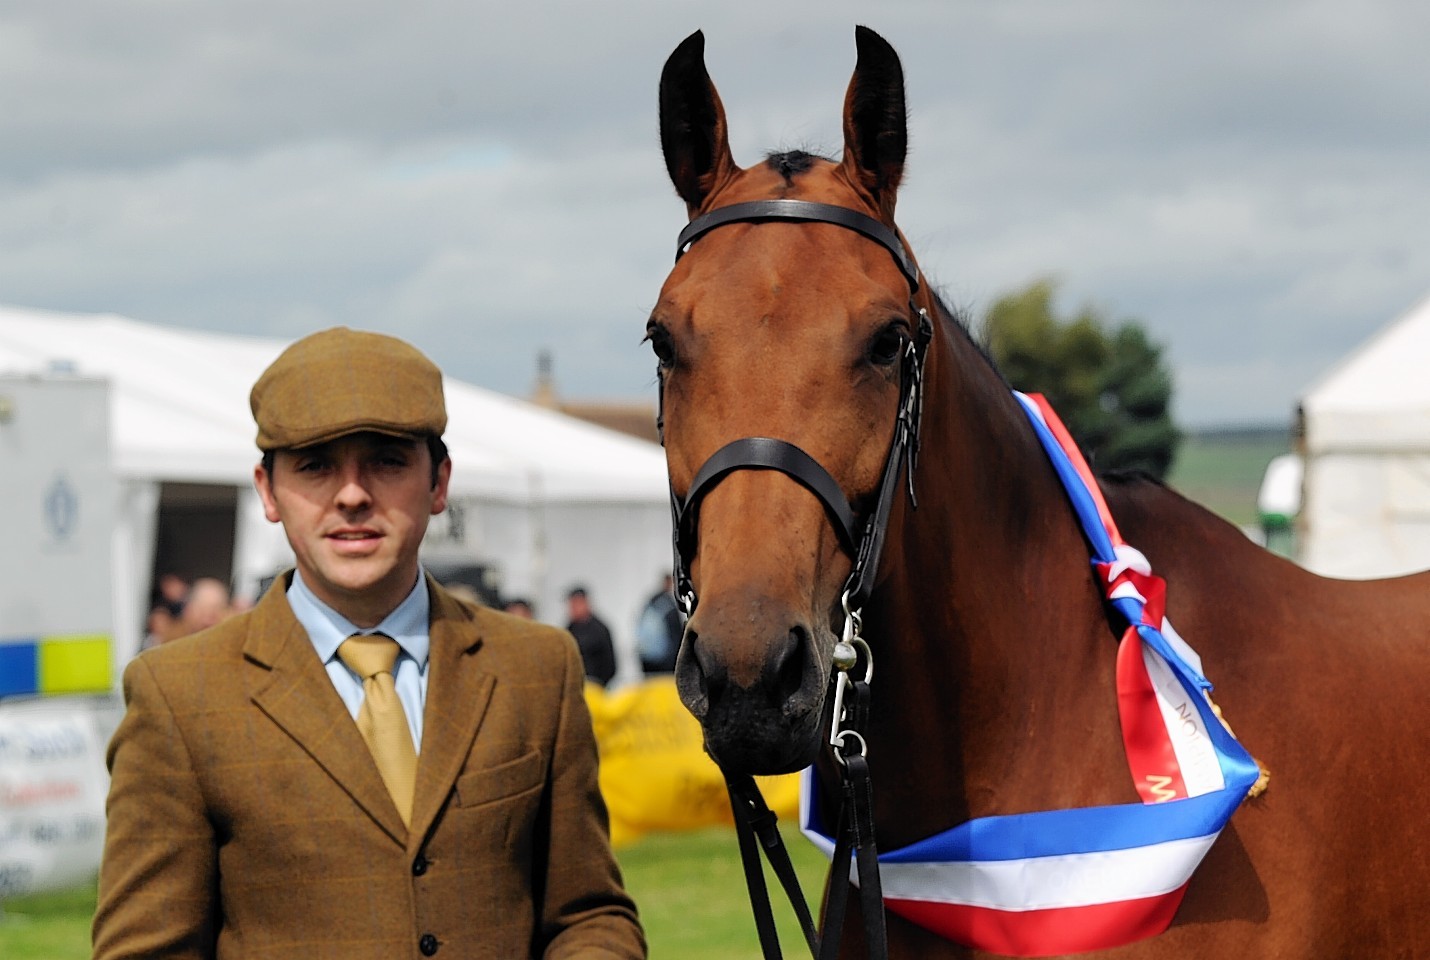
{"points": [[846, 658], [838, 744], [853, 619]]}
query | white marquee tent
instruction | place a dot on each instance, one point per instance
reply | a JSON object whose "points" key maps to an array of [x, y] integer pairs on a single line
{"points": [[545, 500], [1366, 505]]}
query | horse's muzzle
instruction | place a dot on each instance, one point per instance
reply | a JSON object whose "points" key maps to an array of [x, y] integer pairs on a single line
{"points": [[759, 700]]}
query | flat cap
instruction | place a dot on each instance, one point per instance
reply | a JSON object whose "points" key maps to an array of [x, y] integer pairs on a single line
{"points": [[340, 381]]}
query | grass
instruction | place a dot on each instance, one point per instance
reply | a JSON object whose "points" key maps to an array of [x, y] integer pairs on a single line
{"points": [[689, 887], [48, 926], [1222, 470]]}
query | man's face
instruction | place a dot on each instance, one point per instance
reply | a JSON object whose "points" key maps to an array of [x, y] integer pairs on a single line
{"points": [[355, 510], [578, 607]]}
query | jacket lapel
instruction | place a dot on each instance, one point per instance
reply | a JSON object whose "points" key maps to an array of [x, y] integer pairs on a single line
{"points": [[298, 696], [458, 692]]}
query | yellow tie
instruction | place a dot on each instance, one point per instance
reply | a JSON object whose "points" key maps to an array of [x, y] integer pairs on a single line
{"points": [[381, 719]]}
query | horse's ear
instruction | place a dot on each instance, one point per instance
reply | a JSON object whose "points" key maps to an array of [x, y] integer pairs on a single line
{"points": [[876, 135], [692, 124]]}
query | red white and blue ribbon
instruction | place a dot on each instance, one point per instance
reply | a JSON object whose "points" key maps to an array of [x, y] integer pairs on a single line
{"points": [[1092, 878]]}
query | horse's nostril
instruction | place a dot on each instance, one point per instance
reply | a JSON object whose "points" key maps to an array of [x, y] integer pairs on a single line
{"points": [[692, 676], [788, 664]]}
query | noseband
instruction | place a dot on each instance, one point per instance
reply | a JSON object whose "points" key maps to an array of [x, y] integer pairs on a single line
{"points": [[865, 543]]}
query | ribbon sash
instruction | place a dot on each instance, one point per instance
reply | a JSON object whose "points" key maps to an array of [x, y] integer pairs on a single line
{"points": [[1092, 878]]}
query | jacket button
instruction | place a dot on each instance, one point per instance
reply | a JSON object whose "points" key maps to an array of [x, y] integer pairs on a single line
{"points": [[428, 944], [419, 866]]}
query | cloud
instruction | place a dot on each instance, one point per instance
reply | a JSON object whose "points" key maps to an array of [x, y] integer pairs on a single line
{"points": [[1247, 181]]}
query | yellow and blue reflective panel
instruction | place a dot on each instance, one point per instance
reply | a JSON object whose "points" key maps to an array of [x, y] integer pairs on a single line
{"points": [[75, 663]]}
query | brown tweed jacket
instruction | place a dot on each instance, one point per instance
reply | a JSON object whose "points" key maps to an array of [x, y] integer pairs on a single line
{"points": [[246, 818]]}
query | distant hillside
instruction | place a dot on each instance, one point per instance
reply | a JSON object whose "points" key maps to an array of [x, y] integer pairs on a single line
{"points": [[1243, 433], [1221, 467]]}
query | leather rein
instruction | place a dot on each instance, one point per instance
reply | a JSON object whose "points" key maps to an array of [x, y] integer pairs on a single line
{"points": [[863, 539]]}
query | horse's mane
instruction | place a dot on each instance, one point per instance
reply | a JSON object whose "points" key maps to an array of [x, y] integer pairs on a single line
{"points": [[962, 321], [958, 319], [1126, 476]]}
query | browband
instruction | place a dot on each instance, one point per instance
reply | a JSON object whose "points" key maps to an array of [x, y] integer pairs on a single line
{"points": [[803, 210]]}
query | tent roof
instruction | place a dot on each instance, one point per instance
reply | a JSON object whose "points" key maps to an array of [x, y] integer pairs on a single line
{"points": [[1378, 398], [179, 412]]}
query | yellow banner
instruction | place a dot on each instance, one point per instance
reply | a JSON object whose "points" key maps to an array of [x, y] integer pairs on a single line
{"points": [[655, 774]]}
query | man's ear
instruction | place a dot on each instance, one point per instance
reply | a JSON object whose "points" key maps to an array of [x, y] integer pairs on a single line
{"points": [[439, 490], [263, 483]]}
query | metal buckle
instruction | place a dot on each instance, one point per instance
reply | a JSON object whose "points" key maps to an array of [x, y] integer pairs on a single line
{"points": [[846, 657]]}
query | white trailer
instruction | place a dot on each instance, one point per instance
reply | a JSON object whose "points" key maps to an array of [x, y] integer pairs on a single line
{"points": [[57, 705]]}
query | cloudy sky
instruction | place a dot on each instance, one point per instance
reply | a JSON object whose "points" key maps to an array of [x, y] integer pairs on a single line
{"points": [[1249, 180]]}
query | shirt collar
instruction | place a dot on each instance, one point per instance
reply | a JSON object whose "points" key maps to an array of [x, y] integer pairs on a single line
{"points": [[407, 624]]}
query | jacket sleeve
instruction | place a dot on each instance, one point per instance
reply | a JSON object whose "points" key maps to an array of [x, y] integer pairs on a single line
{"points": [[585, 910], [158, 896]]}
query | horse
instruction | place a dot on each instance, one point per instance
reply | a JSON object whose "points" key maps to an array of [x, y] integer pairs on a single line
{"points": [[994, 648]]}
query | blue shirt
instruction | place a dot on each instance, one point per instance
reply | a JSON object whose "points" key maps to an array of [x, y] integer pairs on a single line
{"points": [[408, 625]]}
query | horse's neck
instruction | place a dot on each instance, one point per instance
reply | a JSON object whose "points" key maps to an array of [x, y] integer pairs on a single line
{"points": [[995, 634]]}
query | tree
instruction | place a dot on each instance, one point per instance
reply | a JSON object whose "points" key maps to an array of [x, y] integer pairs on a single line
{"points": [[1107, 382]]}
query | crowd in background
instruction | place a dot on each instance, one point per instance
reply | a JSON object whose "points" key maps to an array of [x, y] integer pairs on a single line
{"points": [[179, 607]]}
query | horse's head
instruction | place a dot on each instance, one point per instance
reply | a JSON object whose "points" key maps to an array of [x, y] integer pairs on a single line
{"points": [[796, 331]]}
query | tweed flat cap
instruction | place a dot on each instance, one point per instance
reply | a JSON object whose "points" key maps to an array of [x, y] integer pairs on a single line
{"points": [[340, 381]]}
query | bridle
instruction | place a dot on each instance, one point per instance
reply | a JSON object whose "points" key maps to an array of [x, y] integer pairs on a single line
{"points": [[767, 453], [864, 541]]}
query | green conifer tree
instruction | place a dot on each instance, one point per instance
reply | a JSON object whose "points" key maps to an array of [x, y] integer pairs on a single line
{"points": [[1107, 381]]}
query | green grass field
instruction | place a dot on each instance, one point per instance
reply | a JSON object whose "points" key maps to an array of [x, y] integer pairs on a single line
{"points": [[47, 926], [689, 887], [1222, 470]]}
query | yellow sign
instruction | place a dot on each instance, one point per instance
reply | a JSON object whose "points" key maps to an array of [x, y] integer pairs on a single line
{"points": [[655, 774]]}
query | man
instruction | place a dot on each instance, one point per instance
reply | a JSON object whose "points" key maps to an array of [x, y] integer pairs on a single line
{"points": [[660, 630], [593, 637], [276, 794], [520, 607], [208, 603]]}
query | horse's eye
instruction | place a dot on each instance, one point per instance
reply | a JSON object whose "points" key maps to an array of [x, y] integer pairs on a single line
{"points": [[887, 345], [661, 345]]}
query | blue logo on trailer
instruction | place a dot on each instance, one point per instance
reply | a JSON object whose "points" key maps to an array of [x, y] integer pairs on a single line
{"points": [[61, 508]]}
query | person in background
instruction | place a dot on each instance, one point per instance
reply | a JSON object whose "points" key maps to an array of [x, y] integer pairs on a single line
{"points": [[520, 607], [166, 606], [159, 625], [181, 609], [208, 603], [171, 589], [593, 637], [464, 592], [361, 766], [660, 630]]}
